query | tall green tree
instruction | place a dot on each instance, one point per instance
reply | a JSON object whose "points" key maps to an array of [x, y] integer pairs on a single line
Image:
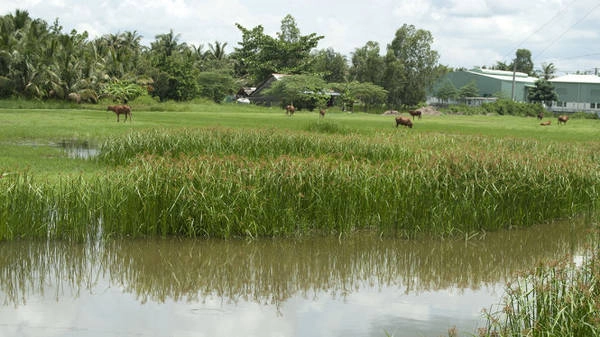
{"points": [[468, 90], [332, 66], [367, 64], [523, 61], [259, 55], [174, 74], [412, 58], [543, 92]]}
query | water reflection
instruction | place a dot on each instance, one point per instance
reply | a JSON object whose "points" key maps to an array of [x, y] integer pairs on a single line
{"points": [[341, 275], [80, 149]]}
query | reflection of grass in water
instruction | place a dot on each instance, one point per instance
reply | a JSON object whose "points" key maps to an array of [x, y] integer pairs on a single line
{"points": [[557, 299], [272, 271]]}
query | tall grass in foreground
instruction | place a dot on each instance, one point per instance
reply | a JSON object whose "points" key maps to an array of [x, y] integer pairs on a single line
{"points": [[557, 299], [223, 183]]}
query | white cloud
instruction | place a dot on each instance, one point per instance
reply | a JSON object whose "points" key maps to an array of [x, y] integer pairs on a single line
{"points": [[466, 32]]}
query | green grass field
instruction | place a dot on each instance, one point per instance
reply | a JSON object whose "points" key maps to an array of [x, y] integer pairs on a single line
{"points": [[26, 133], [201, 169]]}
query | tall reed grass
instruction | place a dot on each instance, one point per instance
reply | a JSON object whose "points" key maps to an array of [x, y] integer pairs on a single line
{"points": [[225, 183], [557, 299]]}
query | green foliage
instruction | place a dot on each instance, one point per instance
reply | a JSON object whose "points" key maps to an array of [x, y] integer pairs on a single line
{"points": [[468, 90], [331, 66], [176, 79], [556, 299], [326, 127], [543, 92], [447, 91], [229, 183], [523, 62], [123, 91], [508, 107], [261, 55], [303, 91], [367, 64], [216, 85], [367, 94], [410, 53]]}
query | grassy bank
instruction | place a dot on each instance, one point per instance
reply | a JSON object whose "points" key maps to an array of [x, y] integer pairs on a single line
{"points": [[223, 182]]}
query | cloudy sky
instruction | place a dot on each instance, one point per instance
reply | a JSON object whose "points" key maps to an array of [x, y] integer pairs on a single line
{"points": [[467, 33]]}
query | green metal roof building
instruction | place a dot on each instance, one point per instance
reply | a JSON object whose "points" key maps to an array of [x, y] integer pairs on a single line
{"points": [[491, 83], [577, 93]]}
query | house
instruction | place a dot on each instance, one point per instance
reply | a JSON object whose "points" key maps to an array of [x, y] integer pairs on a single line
{"points": [[577, 93], [490, 83], [258, 96]]}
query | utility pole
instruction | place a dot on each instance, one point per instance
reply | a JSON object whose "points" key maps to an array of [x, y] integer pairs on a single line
{"points": [[513, 81]]}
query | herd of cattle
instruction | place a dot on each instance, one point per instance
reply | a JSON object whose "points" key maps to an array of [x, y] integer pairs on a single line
{"points": [[405, 121], [562, 119], [290, 109]]}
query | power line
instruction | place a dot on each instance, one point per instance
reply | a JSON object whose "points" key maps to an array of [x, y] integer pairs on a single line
{"points": [[568, 29], [559, 12]]}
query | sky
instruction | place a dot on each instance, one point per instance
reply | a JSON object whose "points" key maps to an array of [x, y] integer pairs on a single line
{"points": [[466, 33]]}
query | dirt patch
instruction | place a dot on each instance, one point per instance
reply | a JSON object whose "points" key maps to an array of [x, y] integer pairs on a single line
{"points": [[426, 110], [429, 110]]}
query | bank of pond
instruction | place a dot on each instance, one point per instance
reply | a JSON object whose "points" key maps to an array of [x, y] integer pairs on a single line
{"points": [[223, 183]]}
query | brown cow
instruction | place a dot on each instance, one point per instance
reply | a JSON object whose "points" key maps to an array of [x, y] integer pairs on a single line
{"points": [[562, 119], [414, 113], [121, 110], [290, 109], [322, 112], [546, 123], [404, 121], [540, 116]]}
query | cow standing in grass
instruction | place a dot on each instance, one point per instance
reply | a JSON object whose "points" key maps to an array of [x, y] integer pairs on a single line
{"points": [[404, 121], [562, 119], [290, 109], [322, 113], [121, 110], [414, 113]]}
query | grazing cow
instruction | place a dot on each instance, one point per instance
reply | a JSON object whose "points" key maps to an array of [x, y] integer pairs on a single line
{"points": [[414, 113], [74, 97], [121, 110], [562, 119], [546, 123], [290, 109], [322, 112], [540, 116], [403, 121]]}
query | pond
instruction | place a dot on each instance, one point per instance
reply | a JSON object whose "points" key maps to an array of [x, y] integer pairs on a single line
{"points": [[362, 285], [81, 149]]}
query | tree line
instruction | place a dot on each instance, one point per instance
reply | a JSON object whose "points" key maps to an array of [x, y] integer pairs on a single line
{"points": [[40, 61]]}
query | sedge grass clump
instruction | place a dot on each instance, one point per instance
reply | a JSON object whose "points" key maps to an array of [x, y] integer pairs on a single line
{"points": [[326, 127], [231, 183], [557, 299]]}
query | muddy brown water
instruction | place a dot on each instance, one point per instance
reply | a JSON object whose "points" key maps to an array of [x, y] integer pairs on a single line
{"points": [[354, 286]]}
